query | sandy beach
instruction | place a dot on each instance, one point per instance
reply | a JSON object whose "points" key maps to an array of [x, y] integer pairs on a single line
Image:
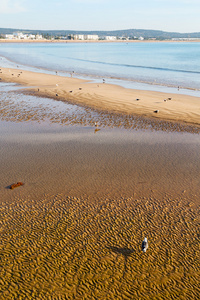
{"points": [[74, 230], [106, 97]]}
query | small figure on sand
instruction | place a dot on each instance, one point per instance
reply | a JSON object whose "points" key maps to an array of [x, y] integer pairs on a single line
{"points": [[145, 245]]}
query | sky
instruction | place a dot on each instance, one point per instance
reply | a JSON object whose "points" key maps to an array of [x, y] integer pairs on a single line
{"points": [[167, 15]]}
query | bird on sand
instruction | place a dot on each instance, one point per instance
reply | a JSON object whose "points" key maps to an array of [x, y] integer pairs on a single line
{"points": [[145, 245]]}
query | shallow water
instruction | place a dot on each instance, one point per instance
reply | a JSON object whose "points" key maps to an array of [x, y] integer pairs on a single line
{"points": [[129, 64]]}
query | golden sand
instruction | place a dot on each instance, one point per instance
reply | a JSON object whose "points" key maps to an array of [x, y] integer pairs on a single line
{"points": [[107, 97], [74, 230], [73, 248]]}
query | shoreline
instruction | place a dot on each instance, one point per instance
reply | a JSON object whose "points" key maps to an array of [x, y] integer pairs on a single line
{"points": [[97, 41], [108, 97], [94, 77]]}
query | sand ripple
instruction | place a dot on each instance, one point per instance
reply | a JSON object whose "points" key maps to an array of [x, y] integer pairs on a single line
{"points": [[75, 248]]}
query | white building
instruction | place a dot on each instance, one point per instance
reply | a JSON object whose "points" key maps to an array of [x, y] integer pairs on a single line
{"points": [[9, 36], [31, 36], [20, 35], [110, 38], [39, 37], [91, 37], [78, 36]]}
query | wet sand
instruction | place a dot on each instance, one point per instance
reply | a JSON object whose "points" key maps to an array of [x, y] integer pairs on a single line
{"points": [[174, 107], [74, 248], [91, 195]]}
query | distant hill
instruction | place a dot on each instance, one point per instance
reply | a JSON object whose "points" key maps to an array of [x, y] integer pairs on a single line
{"points": [[158, 34]]}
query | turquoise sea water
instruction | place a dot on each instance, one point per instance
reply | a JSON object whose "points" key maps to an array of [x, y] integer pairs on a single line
{"points": [[148, 65]]}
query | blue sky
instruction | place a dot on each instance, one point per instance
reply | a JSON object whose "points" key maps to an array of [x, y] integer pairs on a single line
{"points": [[167, 15]]}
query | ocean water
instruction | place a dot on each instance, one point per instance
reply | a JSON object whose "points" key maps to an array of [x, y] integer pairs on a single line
{"points": [[148, 65]]}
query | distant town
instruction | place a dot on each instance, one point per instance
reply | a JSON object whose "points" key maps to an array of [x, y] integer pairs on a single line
{"points": [[17, 34], [80, 37]]}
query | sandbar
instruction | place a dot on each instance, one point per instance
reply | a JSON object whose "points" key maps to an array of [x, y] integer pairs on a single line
{"points": [[108, 97]]}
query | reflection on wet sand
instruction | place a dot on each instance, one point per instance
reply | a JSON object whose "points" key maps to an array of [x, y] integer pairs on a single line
{"points": [[19, 108]]}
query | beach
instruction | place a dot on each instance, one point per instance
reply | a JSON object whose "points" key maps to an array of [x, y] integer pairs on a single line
{"points": [[92, 192], [106, 97]]}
